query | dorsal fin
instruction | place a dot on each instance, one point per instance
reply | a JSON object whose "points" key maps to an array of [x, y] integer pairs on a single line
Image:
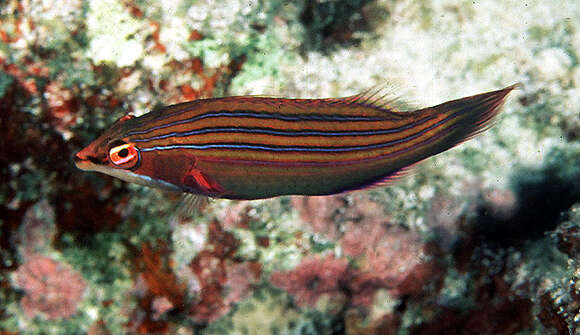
{"points": [[382, 97]]}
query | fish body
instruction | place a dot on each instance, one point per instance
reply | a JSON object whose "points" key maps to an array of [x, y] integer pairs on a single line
{"points": [[258, 147]]}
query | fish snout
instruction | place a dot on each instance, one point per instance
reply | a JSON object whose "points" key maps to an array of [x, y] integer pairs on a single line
{"points": [[81, 161], [76, 158], [84, 161]]}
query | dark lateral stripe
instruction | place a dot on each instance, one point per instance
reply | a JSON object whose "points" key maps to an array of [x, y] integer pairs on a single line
{"points": [[262, 115], [277, 148], [187, 107], [290, 133]]}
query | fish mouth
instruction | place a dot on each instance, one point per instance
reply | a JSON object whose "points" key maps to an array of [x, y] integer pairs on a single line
{"points": [[81, 163], [86, 163]]}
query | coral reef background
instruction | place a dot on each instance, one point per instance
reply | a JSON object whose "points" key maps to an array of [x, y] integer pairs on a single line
{"points": [[482, 239]]}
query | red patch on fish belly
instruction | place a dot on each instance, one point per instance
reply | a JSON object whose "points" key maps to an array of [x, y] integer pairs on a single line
{"points": [[198, 182], [182, 171]]}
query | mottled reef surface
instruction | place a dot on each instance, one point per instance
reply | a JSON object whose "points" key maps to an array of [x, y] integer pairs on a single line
{"points": [[482, 239]]}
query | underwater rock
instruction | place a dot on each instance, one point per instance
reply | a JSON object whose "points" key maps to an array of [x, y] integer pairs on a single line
{"points": [[460, 246], [320, 213], [37, 230], [313, 278], [52, 288], [567, 234], [398, 261]]}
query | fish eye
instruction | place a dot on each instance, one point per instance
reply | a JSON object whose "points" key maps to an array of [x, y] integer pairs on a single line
{"points": [[124, 155]]}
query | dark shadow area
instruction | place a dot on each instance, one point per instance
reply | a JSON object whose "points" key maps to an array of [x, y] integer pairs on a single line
{"points": [[330, 24], [543, 195]]}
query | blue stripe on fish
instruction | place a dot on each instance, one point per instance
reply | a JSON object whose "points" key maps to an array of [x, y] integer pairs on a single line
{"points": [[298, 148], [262, 115], [270, 131]]}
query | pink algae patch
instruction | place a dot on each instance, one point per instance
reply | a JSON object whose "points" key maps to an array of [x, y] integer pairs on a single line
{"points": [[52, 288], [366, 226], [321, 213], [377, 255], [314, 277], [394, 260], [240, 282], [223, 280]]}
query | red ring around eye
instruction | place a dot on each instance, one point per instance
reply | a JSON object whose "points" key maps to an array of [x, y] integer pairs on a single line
{"points": [[125, 155]]}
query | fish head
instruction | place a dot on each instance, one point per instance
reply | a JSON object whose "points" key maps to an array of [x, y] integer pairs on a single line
{"points": [[114, 154], [110, 153]]}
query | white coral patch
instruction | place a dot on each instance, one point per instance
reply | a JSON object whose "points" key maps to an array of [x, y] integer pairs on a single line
{"points": [[552, 63], [113, 33], [172, 35]]}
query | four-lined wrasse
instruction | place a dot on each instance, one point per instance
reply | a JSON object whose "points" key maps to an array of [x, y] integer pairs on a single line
{"points": [[258, 147]]}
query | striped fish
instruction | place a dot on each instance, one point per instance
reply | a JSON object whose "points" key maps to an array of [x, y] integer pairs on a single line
{"points": [[257, 147]]}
